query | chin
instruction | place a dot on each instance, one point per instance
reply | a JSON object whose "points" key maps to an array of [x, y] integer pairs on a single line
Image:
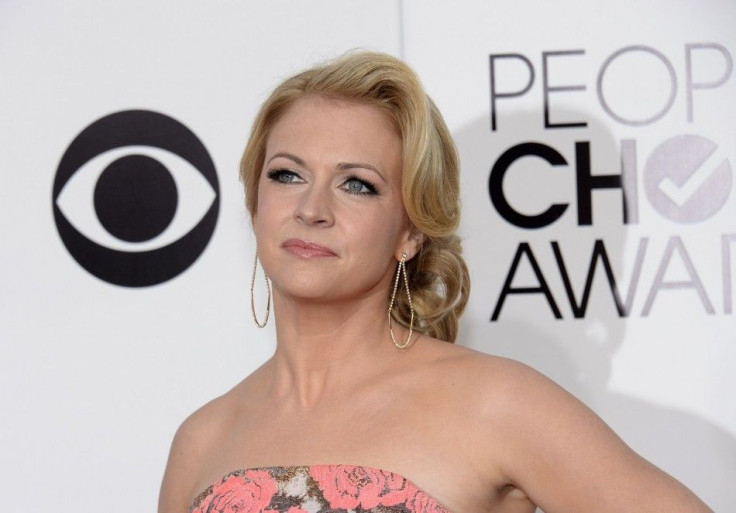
{"points": [[307, 289]]}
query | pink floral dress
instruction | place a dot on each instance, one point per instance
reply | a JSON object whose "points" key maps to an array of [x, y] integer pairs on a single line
{"points": [[315, 489]]}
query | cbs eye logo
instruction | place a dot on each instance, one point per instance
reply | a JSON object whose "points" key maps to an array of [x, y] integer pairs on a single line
{"points": [[136, 198]]}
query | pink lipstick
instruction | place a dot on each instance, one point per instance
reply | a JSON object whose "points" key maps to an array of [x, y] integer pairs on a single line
{"points": [[305, 249]]}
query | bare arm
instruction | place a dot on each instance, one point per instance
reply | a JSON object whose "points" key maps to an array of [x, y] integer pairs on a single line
{"points": [[175, 487], [185, 458], [566, 459]]}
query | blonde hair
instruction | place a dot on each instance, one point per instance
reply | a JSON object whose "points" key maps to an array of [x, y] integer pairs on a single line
{"points": [[438, 276]]}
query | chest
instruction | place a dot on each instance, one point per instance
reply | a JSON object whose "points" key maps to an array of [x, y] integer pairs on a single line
{"points": [[411, 438]]}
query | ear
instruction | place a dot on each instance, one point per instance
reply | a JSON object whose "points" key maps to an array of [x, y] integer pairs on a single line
{"points": [[411, 243]]}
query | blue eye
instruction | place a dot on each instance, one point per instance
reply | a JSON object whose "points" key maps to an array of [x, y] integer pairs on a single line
{"points": [[283, 176], [355, 185]]}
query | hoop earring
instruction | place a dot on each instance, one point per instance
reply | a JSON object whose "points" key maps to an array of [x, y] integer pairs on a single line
{"points": [[252, 302], [399, 271]]}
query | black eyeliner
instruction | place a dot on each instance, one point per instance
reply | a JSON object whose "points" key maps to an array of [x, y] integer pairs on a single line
{"points": [[371, 186], [276, 173]]}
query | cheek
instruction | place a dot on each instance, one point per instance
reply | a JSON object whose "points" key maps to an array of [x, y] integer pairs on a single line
{"points": [[378, 236], [266, 211]]}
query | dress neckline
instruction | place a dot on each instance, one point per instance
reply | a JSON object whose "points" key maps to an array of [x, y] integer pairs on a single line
{"points": [[290, 470]]}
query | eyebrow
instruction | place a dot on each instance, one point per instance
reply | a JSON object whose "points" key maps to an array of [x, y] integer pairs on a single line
{"points": [[342, 166], [288, 156]]}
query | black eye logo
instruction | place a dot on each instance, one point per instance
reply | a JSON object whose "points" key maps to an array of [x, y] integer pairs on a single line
{"points": [[126, 191]]}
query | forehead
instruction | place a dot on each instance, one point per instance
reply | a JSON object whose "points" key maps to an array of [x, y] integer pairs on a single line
{"points": [[315, 127]]}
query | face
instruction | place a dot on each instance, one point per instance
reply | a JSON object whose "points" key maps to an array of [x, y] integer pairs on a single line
{"points": [[330, 223]]}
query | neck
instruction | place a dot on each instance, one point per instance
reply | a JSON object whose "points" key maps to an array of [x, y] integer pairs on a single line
{"points": [[327, 347]]}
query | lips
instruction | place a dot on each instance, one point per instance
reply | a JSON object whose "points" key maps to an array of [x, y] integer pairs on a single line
{"points": [[306, 249]]}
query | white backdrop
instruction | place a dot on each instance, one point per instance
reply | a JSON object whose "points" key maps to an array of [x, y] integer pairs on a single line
{"points": [[96, 377]]}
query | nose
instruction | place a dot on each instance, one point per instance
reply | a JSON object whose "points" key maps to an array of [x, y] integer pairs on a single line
{"points": [[315, 206]]}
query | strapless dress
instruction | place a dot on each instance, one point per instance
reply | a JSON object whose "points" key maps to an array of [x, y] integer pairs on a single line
{"points": [[314, 489]]}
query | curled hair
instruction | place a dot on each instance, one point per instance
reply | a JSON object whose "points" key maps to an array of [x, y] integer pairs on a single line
{"points": [[438, 276]]}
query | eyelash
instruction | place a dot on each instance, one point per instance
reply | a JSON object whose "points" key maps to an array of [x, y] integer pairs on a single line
{"points": [[372, 191], [277, 175]]}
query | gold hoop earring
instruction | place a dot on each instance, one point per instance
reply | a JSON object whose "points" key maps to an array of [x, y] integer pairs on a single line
{"points": [[399, 271], [252, 302]]}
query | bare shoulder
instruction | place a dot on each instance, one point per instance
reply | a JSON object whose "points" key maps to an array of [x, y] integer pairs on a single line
{"points": [[498, 395], [545, 442], [492, 379], [192, 442]]}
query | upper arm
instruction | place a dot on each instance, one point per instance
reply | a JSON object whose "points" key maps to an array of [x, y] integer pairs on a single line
{"points": [[565, 458], [177, 477], [184, 464]]}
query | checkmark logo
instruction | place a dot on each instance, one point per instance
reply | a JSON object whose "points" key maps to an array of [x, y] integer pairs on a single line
{"points": [[687, 178], [681, 193]]}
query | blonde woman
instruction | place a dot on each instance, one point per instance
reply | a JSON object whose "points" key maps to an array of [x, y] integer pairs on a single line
{"points": [[351, 181]]}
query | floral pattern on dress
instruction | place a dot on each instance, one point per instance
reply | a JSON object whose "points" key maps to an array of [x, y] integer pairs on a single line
{"points": [[315, 489]]}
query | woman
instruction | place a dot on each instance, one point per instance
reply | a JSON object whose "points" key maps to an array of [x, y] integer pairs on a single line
{"points": [[351, 180]]}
